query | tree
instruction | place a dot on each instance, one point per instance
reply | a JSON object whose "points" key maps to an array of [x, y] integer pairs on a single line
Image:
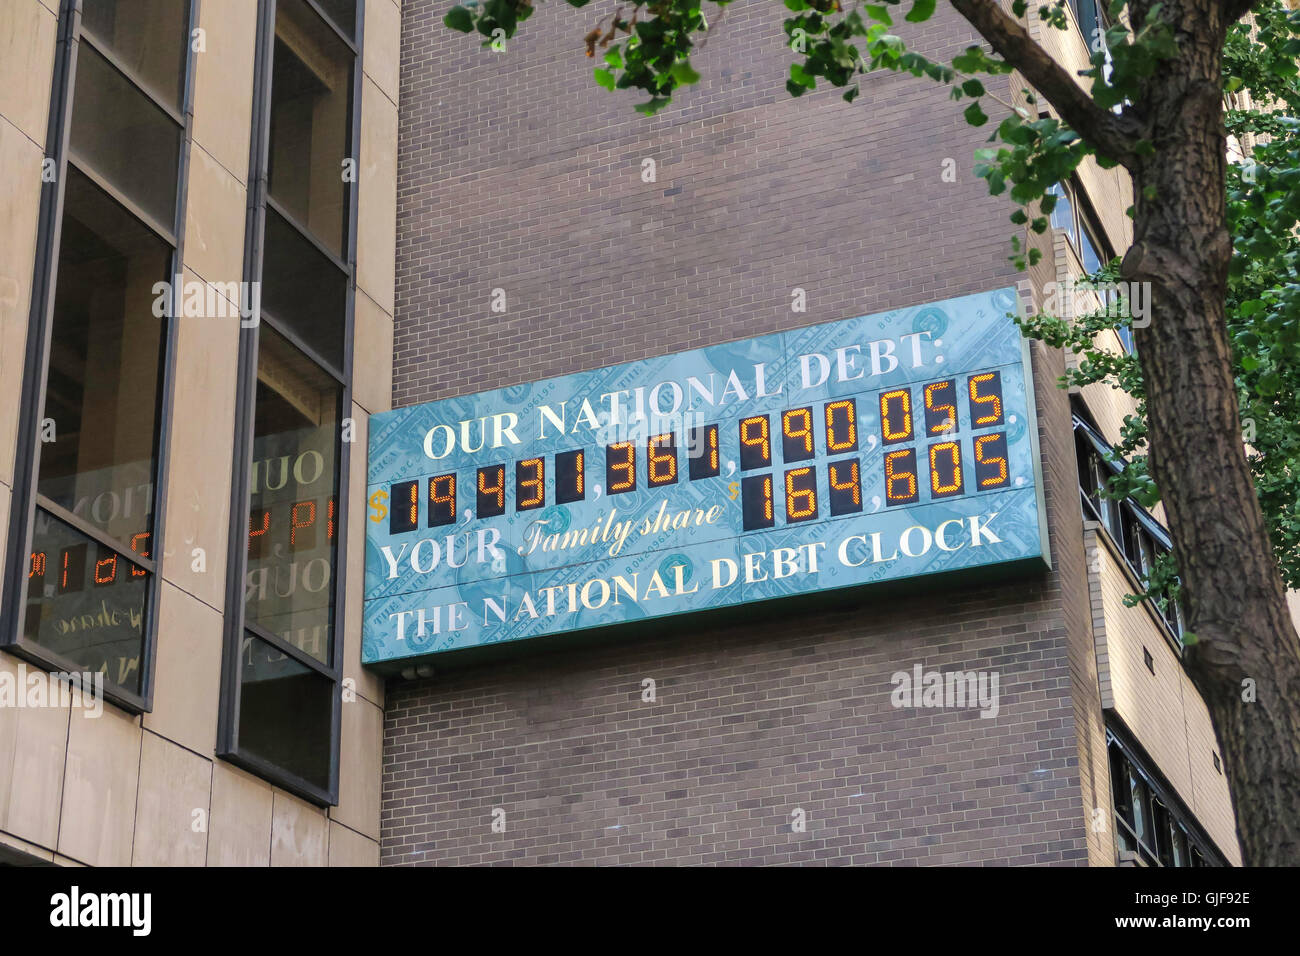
{"points": [[1218, 255]]}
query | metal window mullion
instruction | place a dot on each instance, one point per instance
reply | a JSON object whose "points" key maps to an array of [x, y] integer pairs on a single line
{"points": [[345, 459], [126, 202], [297, 341], [98, 535], [246, 386], [354, 46], [100, 47], [40, 323], [306, 233], [288, 648]]}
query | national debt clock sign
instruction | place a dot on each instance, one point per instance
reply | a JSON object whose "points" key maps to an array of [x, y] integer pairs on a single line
{"points": [[894, 446]]}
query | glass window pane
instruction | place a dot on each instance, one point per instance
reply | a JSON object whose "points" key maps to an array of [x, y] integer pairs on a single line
{"points": [[122, 136], [105, 370], [303, 289], [285, 712], [293, 540], [148, 37], [1062, 214], [1088, 252], [311, 88], [85, 602], [343, 13]]}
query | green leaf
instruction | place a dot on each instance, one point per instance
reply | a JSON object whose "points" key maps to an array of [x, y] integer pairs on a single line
{"points": [[614, 58], [684, 73], [851, 93], [604, 77], [974, 115], [921, 11], [458, 18], [973, 88]]}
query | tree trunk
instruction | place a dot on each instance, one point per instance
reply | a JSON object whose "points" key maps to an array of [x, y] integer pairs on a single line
{"points": [[1245, 659]]}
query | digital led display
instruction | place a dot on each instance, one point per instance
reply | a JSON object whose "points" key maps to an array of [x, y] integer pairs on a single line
{"points": [[890, 446]]}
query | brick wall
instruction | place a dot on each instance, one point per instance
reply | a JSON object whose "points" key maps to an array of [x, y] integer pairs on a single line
{"points": [[517, 172]]}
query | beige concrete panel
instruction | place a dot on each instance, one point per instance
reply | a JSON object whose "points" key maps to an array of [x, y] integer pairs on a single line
{"points": [[28, 31], [383, 45], [377, 201], [174, 784], [214, 223], [223, 83], [203, 427], [239, 831], [33, 745], [99, 788], [20, 203], [187, 687], [1151, 705], [365, 684], [361, 766], [349, 848], [1213, 802], [299, 832], [67, 861], [372, 356]]}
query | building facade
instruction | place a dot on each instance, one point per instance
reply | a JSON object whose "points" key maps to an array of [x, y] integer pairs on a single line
{"points": [[351, 210]]}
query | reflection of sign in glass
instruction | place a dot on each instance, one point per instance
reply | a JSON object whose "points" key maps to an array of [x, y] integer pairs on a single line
{"points": [[839, 455]]}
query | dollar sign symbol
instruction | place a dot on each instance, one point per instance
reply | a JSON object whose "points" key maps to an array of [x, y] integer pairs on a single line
{"points": [[733, 489], [377, 502]]}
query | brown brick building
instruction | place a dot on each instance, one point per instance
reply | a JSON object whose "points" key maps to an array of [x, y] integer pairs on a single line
{"points": [[516, 172]]}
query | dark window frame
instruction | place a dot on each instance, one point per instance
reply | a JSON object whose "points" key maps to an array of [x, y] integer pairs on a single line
{"points": [[235, 619], [26, 499], [1126, 523], [1128, 761]]}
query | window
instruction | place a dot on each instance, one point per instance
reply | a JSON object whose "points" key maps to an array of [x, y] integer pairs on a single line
{"points": [[88, 476], [1138, 536], [281, 692], [1149, 821], [1079, 226]]}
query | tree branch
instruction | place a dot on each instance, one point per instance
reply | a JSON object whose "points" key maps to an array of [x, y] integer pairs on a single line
{"points": [[1106, 132]]}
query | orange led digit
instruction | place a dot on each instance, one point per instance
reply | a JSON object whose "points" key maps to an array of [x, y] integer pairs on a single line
{"points": [[620, 467], [329, 519], [570, 477], [103, 576], [702, 452], [301, 516], [940, 410], [257, 535], [945, 476], [38, 565], [661, 459], [900, 477], [530, 487], [846, 487], [405, 513], [442, 500], [756, 502], [797, 434], [800, 494], [136, 541], [986, 403], [896, 415], [991, 460], [755, 443], [844, 435], [491, 491]]}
